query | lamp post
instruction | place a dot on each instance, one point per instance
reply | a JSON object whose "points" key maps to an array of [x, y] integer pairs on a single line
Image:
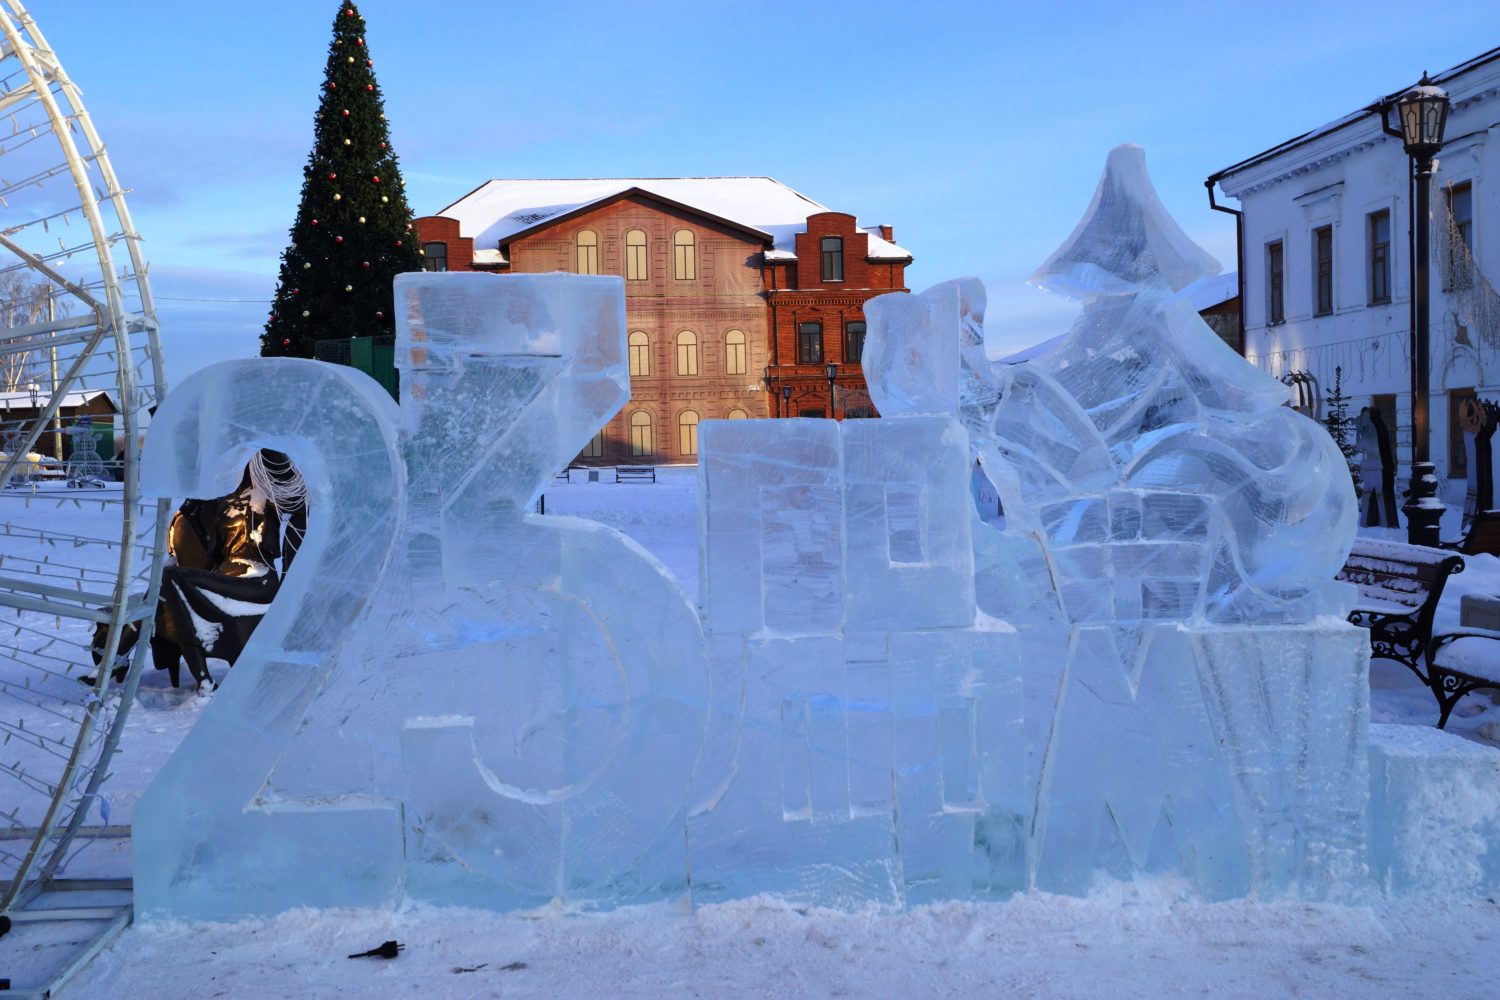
{"points": [[833, 402], [1423, 112], [786, 395], [35, 391]]}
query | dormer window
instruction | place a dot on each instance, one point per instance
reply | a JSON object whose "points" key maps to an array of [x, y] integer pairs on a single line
{"points": [[833, 258], [434, 256]]}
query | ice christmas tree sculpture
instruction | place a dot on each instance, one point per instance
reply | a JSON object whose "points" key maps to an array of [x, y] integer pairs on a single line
{"points": [[353, 230], [1161, 471], [1158, 484], [1151, 455]]}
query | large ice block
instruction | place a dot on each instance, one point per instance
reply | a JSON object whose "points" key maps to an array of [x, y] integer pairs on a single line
{"points": [[1290, 711], [1435, 814], [1158, 798], [452, 699], [879, 750]]}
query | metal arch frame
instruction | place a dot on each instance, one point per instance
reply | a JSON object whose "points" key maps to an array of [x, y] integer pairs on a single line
{"points": [[44, 72]]}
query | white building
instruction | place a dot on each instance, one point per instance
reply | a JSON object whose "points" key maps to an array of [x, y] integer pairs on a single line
{"points": [[1326, 254]]}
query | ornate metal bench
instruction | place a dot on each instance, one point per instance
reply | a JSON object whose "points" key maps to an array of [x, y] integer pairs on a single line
{"points": [[1399, 587], [1460, 662]]}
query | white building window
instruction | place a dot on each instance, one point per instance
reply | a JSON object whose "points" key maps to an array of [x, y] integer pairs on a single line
{"points": [[1322, 242], [1275, 282], [1379, 229]]}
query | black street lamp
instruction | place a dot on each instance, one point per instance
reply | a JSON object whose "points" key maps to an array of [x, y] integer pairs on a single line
{"points": [[833, 403], [35, 391], [786, 395], [1423, 112]]}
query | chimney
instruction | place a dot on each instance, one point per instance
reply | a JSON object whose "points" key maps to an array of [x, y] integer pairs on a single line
{"points": [[887, 234]]}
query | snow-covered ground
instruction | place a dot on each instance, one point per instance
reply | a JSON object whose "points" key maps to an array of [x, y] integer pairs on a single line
{"points": [[1126, 941], [1112, 946]]}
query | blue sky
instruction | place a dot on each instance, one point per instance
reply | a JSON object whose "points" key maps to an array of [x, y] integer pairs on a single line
{"points": [[977, 130]]}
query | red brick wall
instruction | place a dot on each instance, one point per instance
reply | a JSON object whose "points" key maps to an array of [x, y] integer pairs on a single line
{"points": [[734, 289], [798, 294], [440, 229], [725, 295]]}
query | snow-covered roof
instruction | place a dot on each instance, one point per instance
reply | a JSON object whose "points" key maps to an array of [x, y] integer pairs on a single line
{"points": [[1449, 78], [22, 400], [500, 209], [1214, 290]]}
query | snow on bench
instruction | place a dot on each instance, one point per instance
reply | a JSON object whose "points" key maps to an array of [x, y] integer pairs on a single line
{"points": [[1400, 586], [1460, 662]]}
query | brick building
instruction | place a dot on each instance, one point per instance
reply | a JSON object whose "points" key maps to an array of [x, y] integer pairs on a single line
{"points": [[741, 295]]}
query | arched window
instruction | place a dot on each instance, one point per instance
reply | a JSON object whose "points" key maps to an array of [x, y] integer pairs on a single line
{"points": [[687, 433], [734, 353], [636, 268], [588, 252], [641, 443], [738, 414], [833, 258], [687, 353], [434, 256], [684, 255], [640, 353]]}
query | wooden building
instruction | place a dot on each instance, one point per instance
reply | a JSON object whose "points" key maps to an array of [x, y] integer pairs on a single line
{"points": [[742, 297]]}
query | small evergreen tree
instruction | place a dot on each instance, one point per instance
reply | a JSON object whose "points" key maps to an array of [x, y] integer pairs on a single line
{"points": [[1336, 418], [353, 231]]}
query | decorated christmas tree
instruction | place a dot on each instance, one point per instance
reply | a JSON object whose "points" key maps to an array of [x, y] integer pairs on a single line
{"points": [[353, 231]]}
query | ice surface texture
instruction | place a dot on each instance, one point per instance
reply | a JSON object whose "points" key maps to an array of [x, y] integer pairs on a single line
{"points": [[1162, 471], [874, 716], [880, 697], [1436, 812], [457, 700], [1160, 504]]}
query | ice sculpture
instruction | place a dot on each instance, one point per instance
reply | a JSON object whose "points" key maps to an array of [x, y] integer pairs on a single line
{"points": [[451, 699], [1435, 813], [881, 696], [876, 715], [1168, 494]]}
